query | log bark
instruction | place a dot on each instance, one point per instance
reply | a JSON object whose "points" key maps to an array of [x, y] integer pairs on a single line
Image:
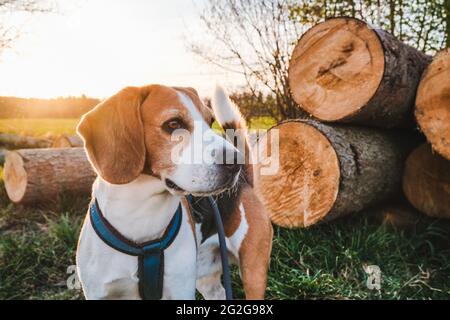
{"points": [[327, 171], [343, 70], [13, 141], [426, 182], [67, 141], [433, 103], [35, 175]]}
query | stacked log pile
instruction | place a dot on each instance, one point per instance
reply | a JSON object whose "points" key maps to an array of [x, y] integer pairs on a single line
{"points": [[366, 92]]}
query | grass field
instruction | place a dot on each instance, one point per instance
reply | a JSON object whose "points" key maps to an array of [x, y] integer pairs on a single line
{"points": [[43, 127], [262, 123], [37, 245], [38, 127]]}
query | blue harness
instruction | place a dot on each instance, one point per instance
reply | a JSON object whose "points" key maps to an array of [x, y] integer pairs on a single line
{"points": [[150, 254]]}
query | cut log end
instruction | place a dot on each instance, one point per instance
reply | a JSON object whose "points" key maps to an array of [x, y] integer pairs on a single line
{"points": [[337, 63], [15, 176], [433, 103], [309, 166], [426, 182], [326, 171]]}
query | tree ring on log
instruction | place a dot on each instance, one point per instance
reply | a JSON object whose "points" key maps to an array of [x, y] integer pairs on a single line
{"points": [[433, 103], [339, 62], [306, 186], [15, 176]]}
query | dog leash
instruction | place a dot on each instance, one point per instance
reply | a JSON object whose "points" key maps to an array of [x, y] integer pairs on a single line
{"points": [[223, 250], [151, 254]]}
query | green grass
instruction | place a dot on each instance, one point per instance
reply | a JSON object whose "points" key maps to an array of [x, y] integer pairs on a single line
{"points": [[327, 262], [255, 123], [262, 122], [36, 247], [35, 259], [38, 127]]}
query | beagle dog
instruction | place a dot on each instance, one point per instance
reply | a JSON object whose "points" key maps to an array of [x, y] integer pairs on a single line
{"points": [[129, 142]]}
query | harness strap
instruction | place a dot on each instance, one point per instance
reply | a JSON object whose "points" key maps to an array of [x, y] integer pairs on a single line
{"points": [[150, 254]]}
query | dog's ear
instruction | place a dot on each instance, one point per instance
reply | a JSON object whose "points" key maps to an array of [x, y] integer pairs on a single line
{"points": [[113, 135], [191, 90]]}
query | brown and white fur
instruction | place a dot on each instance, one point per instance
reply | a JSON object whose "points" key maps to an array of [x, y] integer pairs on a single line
{"points": [[128, 142]]}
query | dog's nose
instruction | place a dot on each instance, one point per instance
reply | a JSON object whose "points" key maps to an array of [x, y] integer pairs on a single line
{"points": [[232, 162], [233, 168]]}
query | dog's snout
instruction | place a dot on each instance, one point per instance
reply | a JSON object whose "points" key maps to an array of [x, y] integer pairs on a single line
{"points": [[233, 168], [232, 161]]}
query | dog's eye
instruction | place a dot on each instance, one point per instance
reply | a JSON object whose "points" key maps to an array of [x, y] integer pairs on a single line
{"points": [[172, 125]]}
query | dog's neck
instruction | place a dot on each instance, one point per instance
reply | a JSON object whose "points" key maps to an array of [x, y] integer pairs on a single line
{"points": [[140, 210]]}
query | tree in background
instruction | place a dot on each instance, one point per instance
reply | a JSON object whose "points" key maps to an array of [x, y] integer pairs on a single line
{"points": [[62, 107], [447, 22], [421, 23], [255, 37], [255, 106], [7, 7]]}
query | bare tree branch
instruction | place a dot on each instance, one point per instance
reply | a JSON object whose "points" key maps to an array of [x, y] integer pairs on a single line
{"points": [[10, 33], [256, 36]]}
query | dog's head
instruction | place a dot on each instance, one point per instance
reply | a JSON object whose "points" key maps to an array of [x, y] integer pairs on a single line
{"points": [[164, 131]]}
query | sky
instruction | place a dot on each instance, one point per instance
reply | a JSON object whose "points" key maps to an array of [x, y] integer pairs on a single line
{"points": [[97, 47]]}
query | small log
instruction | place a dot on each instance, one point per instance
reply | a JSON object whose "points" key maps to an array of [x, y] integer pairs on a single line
{"points": [[343, 70], [433, 103], [426, 182], [327, 171], [67, 141], [35, 175], [14, 141]]}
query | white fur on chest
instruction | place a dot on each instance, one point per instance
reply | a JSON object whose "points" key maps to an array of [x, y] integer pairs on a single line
{"points": [[106, 273]]}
